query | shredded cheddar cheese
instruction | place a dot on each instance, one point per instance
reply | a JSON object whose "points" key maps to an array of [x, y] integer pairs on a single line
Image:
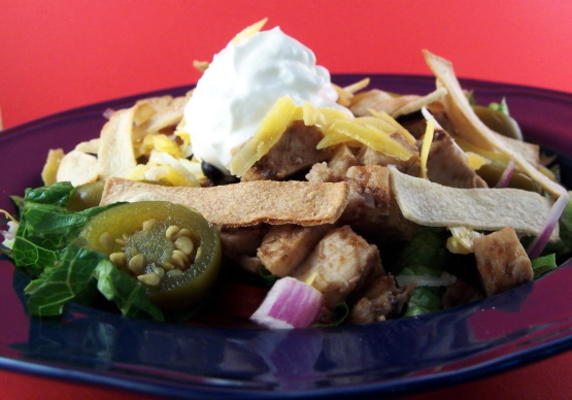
{"points": [[268, 134], [249, 31], [475, 160], [426, 146]]}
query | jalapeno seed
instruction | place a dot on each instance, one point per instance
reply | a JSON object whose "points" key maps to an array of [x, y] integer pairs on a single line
{"points": [[185, 244]]}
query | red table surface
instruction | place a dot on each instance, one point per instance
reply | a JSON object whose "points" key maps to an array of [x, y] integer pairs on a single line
{"points": [[59, 55]]}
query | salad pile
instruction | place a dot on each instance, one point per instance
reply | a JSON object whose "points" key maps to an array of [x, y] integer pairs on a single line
{"points": [[342, 204]]}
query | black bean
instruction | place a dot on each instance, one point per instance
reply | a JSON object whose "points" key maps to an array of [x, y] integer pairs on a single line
{"points": [[212, 172]]}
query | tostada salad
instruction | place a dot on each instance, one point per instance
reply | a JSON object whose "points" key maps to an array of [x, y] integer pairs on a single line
{"points": [[339, 204]]}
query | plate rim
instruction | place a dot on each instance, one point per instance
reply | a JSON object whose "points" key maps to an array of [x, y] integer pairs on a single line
{"points": [[413, 385]]}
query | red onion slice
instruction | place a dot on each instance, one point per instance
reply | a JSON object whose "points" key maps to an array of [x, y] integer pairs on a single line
{"points": [[506, 175], [290, 303], [540, 242]]}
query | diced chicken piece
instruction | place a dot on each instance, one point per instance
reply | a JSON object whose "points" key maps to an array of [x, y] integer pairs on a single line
{"points": [[335, 170], [368, 156], [250, 264], [459, 293], [447, 164], [241, 241], [382, 300], [339, 264], [502, 262], [372, 207], [342, 160], [294, 152], [240, 244], [285, 247]]}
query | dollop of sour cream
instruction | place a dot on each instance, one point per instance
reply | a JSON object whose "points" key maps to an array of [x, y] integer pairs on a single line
{"points": [[240, 86]]}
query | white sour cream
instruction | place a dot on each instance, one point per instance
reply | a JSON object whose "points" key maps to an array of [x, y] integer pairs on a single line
{"points": [[240, 86]]}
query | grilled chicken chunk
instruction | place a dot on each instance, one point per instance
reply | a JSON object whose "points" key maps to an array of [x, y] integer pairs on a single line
{"points": [[372, 207], [447, 164], [382, 300], [502, 261], [294, 152], [285, 247], [339, 264], [335, 169]]}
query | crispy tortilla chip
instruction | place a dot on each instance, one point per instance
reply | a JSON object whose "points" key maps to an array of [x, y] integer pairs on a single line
{"points": [[470, 128], [90, 146], [245, 203], [168, 113], [78, 168], [430, 204], [418, 104], [50, 170], [116, 155]]}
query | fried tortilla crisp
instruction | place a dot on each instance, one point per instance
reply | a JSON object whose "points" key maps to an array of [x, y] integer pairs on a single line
{"points": [[116, 155], [473, 129], [245, 203], [431, 204], [78, 168], [50, 170]]}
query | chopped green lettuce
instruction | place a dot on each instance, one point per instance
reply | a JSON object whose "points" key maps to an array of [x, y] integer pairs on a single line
{"points": [[543, 265], [502, 107], [424, 256], [46, 246], [424, 300]]}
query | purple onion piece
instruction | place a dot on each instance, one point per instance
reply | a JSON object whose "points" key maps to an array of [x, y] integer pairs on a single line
{"points": [[290, 303], [506, 175], [540, 242]]}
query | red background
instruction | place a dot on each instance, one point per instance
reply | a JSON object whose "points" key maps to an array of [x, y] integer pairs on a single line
{"points": [[62, 54]]}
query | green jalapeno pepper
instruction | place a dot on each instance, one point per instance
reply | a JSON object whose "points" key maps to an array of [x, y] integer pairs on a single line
{"points": [[169, 248], [86, 196]]}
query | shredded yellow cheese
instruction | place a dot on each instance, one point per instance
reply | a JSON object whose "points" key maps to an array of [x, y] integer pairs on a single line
{"points": [[268, 134], [461, 240], [161, 143], [377, 139], [249, 31], [475, 160], [388, 118], [310, 280], [356, 87], [426, 146]]}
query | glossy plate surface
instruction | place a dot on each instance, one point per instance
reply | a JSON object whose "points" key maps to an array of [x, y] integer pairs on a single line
{"points": [[519, 326]]}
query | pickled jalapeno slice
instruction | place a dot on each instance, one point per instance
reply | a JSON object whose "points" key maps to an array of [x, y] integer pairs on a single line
{"points": [[169, 248]]}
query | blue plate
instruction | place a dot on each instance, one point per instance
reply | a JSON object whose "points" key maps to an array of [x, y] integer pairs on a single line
{"points": [[481, 338]]}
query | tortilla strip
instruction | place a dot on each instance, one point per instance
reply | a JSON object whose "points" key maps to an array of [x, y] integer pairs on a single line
{"points": [[244, 203], [472, 129], [418, 104], [89, 146], [168, 112], [116, 155], [431, 204], [529, 151], [50, 170], [78, 168]]}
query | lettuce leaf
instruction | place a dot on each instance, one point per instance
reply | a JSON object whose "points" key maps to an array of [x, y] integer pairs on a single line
{"points": [[46, 226], [425, 255], [424, 300], [46, 246], [57, 194], [128, 294], [65, 280], [543, 265]]}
